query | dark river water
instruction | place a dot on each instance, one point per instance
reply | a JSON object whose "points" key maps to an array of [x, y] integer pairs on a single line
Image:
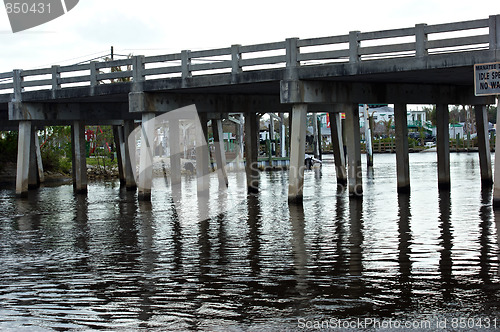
{"points": [[236, 262]]}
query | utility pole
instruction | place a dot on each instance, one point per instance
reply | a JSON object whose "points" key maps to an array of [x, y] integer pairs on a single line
{"points": [[112, 53]]}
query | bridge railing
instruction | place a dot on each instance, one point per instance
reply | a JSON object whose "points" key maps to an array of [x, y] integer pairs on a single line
{"points": [[418, 41]]}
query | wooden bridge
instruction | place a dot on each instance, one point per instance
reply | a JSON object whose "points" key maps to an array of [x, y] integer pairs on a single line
{"points": [[422, 64]]}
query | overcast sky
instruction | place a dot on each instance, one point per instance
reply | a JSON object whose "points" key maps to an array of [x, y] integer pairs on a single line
{"points": [[160, 27]]}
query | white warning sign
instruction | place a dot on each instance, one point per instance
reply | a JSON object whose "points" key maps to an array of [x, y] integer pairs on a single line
{"points": [[487, 79]]}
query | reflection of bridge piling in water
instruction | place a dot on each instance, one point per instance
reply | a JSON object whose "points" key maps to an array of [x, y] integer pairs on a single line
{"points": [[296, 76]]}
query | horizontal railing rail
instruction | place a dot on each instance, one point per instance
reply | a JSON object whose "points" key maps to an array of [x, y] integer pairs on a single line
{"points": [[420, 40]]}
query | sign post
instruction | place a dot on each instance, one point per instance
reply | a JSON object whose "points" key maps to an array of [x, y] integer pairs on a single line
{"points": [[487, 83]]}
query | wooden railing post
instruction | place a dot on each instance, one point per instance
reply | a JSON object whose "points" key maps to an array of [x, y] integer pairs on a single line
{"points": [[93, 76], [186, 64], [292, 51], [18, 84], [420, 40], [354, 46], [494, 32], [235, 61], [137, 73], [56, 75], [138, 68]]}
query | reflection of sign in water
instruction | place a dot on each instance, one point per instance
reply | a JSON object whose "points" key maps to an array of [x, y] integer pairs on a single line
{"points": [[26, 14], [487, 79]]}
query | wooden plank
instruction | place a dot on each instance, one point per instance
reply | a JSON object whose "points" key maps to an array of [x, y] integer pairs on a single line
{"points": [[163, 70], [458, 26], [263, 61], [263, 47], [460, 41], [384, 34], [67, 69], [6, 75], [26, 84], [74, 79], [115, 63], [162, 58], [207, 53], [323, 41], [4, 86], [384, 49], [36, 72], [115, 75], [326, 55], [211, 65]]}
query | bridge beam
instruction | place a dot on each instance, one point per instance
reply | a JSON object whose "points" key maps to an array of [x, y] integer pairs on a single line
{"points": [[297, 153], [324, 92], [483, 142], [161, 102], [338, 144], [69, 112], [443, 146], [354, 170], [402, 155]]}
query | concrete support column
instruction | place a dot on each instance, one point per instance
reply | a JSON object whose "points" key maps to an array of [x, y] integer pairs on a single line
{"points": [[443, 146], [402, 156], [33, 173], [353, 138], [316, 138], [23, 157], [175, 151], [79, 158], [252, 151], [338, 146], [202, 156], [38, 153], [118, 135], [220, 153], [483, 142], [129, 155], [297, 153], [146, 156]]}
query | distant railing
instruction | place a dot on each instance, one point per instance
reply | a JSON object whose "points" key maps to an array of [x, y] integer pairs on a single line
{"points": [[356, 47]]}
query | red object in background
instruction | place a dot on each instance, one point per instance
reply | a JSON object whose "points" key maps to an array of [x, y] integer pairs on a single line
{"points": [[89, 135]]}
